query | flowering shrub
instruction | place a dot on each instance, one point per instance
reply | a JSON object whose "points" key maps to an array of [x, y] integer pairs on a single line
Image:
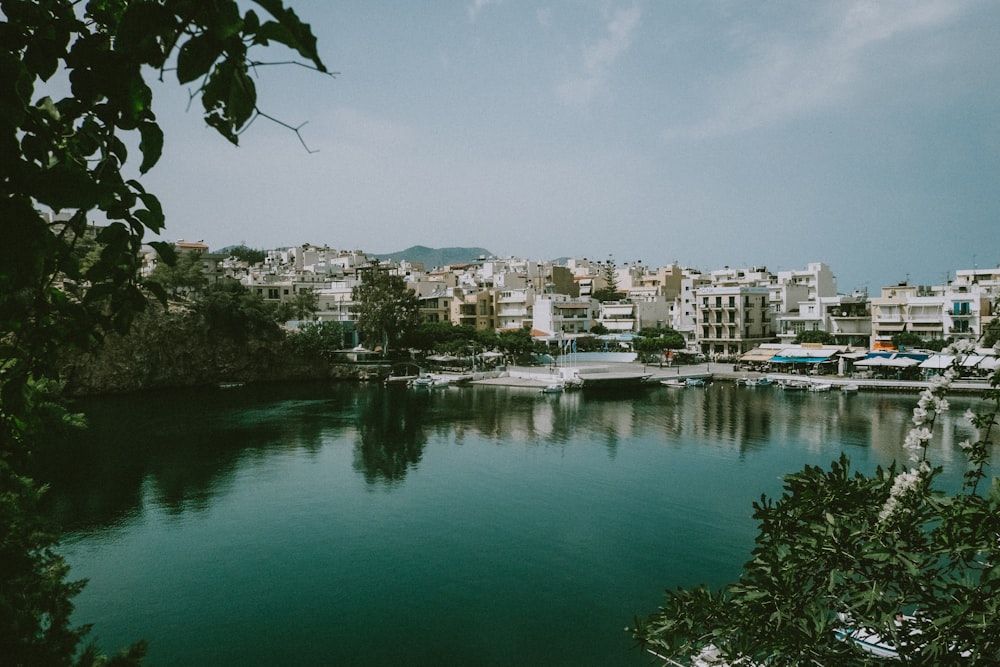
{"points": [[886, 555]]}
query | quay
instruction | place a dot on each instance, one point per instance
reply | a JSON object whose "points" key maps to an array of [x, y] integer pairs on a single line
{"points": [[537, 377]]}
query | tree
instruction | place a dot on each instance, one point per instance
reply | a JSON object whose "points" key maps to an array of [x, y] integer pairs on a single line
{"points": [[184, 276], [609, 292], [318, 339], [516, 342], [385, 308], [844, 552], [439, 337], [228, 309], [906, 339], [821, 337], [303, 306], [992, 333], [657, 341], [246, 254], [68, 156]]}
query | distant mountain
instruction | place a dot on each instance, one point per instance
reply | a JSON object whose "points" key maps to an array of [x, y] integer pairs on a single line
{"points": [[431, 257]]}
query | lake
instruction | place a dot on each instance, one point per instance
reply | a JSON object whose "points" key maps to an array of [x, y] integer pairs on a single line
{"points": [[341, 524]]}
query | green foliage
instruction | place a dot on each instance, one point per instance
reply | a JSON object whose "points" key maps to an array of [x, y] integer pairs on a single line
{"points": [[440, 337], [385, 307], [991, 335], [318, 339], [588, 344], [35, 603], [869, 547], [184, 276], [246, 254], [303, 306], [821, 337], [937, 344], [657, 341], [609, 291], [908, 339], [517, 343], [228, 309], [599, 330], [63, 284]]}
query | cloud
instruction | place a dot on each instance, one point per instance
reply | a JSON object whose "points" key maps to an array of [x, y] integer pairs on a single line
{"points": [[788, 75], [578, 91], [477, 6]]}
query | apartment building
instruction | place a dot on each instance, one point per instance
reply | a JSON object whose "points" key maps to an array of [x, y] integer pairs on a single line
{"points": [[515, 308], [473, 307], [563, 314], [846, 318], [732, 320]]}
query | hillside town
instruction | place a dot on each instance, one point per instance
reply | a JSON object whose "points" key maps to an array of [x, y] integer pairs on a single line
{"points": [[722, 314]]}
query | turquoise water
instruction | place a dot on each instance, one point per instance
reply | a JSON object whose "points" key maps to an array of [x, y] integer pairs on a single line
{"points": [[359, 525]]}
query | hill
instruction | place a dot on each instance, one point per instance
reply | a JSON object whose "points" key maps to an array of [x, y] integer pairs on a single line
{"points": [[432, 257]]}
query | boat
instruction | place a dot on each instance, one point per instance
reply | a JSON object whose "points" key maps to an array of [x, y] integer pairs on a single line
{"points": [[694, 382], [554, 388], [794, 385], [849, 388], [865, 639], [422, 382], [676, 383], [820, 386]]}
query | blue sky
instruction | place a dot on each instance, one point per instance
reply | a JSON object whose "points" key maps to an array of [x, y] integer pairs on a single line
{"points": [[715, 132]]}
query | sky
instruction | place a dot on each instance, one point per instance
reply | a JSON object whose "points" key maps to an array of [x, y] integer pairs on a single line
{"points": [[710, 133]]}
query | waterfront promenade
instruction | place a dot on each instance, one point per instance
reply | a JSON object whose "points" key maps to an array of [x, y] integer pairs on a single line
{"points": [[536, 377]]}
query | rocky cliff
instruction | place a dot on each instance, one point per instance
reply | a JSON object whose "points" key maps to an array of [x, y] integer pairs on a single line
{"points": [[171, 349]]}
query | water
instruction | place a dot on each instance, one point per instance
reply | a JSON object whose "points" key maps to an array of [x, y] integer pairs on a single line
{"points": [[357, 525]]}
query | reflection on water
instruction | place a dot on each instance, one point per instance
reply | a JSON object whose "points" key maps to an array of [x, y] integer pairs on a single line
{"points": [[362, 525], [178, 451]]}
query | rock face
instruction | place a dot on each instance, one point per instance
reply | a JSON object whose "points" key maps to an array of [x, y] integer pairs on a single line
{"points": [[171, 350]]}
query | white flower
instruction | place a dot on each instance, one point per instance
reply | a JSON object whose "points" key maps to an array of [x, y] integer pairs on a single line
{"points": [[969, 415], [901, 485], [965, 444], [919, 415], [915, 441], [962, 346]]}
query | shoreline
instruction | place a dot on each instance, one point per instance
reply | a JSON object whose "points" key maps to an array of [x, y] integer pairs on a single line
{"points": [[536, 377]]}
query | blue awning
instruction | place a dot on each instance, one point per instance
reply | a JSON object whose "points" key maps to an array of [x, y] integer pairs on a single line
{"points": [[798, 360]]}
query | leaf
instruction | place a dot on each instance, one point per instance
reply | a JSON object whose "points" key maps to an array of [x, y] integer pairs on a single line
{"points": [[140, 29], [289, 30], [166, 252], [151, 144], [242, 99], [197, 56], [65, 186], [157, 290]]}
